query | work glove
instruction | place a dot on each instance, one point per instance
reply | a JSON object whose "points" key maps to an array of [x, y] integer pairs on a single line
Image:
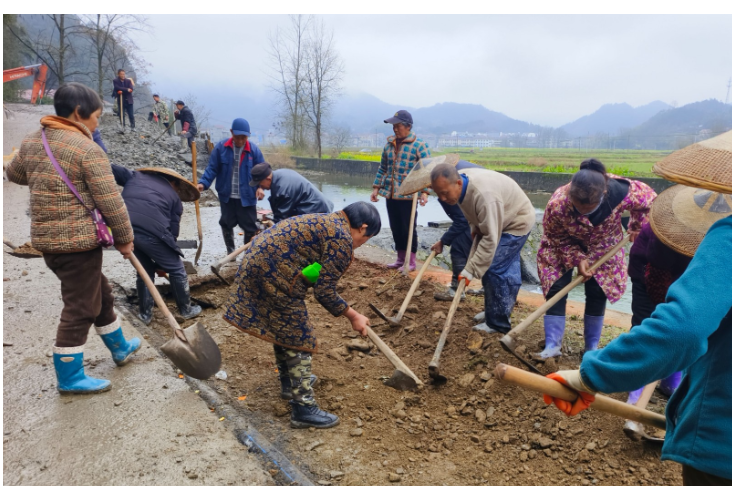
{"points": [[573, 379], [161, 273], [466, 276], [119, 91]]}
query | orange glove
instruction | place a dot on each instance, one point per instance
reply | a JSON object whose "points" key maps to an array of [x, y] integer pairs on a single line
{"points": [[119, 91], [161, 273], [583, 402]]}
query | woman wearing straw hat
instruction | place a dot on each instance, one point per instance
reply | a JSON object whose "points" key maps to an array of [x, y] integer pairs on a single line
{"points": [[691, 331], [153, 196], [582, 222]]}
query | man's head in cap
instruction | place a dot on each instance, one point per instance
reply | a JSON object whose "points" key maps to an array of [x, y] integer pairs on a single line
{"points": [[240, 132], [156, 98], [180, 104], [402, 123], [262, 176]]}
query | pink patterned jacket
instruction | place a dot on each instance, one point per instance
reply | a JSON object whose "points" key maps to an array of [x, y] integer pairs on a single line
{"points": [[570, 238]]}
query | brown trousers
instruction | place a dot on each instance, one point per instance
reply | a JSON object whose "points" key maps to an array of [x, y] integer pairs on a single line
{"points": [[694, 477], [86, 293]]}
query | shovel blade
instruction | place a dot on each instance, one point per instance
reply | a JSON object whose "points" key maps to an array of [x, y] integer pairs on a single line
{"points": [[436, 377], [198, 357], [509, 344], [388, 319], [215, 270], [189, 267], [402, 382]]}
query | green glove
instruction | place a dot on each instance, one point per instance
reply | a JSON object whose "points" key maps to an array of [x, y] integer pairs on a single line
{"points": [[311, 272]]}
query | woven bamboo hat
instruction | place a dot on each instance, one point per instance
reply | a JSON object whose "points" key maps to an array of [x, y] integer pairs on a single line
{"points": [[706, 165], [682, 215], [186, 190]]}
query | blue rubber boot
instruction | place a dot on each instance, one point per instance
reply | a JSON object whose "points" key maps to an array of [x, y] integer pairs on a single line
{"points": [[670, 383], [114, 339], [554, 332], [592, 331], [70, 376], [400, 260], [634, 396]]}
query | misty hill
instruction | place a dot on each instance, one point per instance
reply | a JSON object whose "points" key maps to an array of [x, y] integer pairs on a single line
{"points": [[611, 118]]}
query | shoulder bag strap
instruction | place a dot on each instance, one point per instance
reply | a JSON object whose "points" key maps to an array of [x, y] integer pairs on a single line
{"points": [[60, 170]]}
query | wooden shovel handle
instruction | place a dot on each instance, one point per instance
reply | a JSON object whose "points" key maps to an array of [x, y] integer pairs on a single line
{"points": [[157, 297], [388, 353], [515, 376], [196, 202], [564, 291], [410, 232], [415, 285], [233, 255], [7, 242]]}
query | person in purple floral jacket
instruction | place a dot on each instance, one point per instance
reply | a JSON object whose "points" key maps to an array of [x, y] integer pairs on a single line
{"points": [[582, 222]]}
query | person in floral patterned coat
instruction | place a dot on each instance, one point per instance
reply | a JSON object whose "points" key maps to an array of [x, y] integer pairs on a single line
{"points": [[400, 155], [270, 287], [582, 222]]}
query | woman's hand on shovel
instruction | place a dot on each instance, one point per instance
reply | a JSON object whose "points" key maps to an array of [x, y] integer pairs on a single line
{"points": [[573, 379], [359, 322], [125, 249]]}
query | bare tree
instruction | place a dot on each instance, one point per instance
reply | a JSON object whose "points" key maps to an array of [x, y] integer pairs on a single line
{"points": [[107, 30], [324, 70], [287, 55], [339, 138], [201, 113]]}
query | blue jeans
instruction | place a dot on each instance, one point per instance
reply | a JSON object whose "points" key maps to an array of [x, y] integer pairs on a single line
{"points": [[502, 281]]}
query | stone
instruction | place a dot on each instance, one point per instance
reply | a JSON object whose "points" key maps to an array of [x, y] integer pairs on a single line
{"points": [[117, 403], [451, 410], [314, 445], [358, 345], [480, 416], [475, 438], [584, 456], [394, 478], [24, 273], [532, 454], [400, 470], [485, 376], [413, 308], [192, 475], [362, 286], [474, 342], [590, 446], [523, 456], [356, 432], [336, 474], [439, 315], [544, 442], [466, 380], [324, 483]]}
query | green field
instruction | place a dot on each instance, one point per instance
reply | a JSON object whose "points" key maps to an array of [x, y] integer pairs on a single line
{"points": [[621, 162]]}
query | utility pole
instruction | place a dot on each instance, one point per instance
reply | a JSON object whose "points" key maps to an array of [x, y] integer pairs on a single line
{"points": [[729, 86]]}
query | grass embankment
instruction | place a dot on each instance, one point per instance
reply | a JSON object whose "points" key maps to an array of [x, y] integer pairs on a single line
{"points": [[621, 162]]}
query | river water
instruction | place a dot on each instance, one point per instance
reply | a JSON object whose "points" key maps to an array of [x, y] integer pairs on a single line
{"points": [[344, 189]]}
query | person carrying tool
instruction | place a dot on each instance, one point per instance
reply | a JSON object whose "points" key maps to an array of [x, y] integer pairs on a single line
{"points": [[497, 209], [458, 236], [153, 197], [582, 222], [188, 125], [291, 193], [237, 198], [400, 154], [691, 331], [63, 229], [301, 252], [160, 111], [124, 87]]}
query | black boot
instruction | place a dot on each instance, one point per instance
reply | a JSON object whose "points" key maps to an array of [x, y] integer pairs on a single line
{"points": [[180, 289], [247, 237], [286, 384], [145, 302], [229, 237], [303, 417]]}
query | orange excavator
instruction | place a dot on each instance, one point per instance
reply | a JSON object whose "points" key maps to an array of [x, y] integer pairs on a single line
{"points": [[38, 71]]}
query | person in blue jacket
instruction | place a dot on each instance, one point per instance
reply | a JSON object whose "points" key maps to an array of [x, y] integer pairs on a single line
{"points": [[237, 198]]}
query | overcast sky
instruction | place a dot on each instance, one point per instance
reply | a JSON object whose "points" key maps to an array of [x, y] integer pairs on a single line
{"points": [[544, 69]]}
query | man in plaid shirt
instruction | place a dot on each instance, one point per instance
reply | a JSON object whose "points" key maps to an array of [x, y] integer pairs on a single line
{"points": [[400, 154]]}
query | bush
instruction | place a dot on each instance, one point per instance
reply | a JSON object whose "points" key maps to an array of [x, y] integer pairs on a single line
{"points": [[537, 162]]}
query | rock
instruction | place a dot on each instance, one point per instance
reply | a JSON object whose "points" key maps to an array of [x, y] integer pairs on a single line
{"points": [[550, 365], [382, 281], [192, 475], [324, 483], [413, 308], [49, 354], [424, 343], [590, 446], [362, 286], [399, 413], [314, 445], [399, 406], [400, 470], [489, 447], [358, 345], [584, 456], [523, 456], [485, 376], [280, 410], [356, 432], [532, 454], [480, 416], [475, 438], [439, 315], [24, 273], [488, 385], [338, 353], [466, 380], [451, 410], [467, 410], [117, 403], [336, 474], [474, 342], [490, 411], [544, 442], [394, 478]]}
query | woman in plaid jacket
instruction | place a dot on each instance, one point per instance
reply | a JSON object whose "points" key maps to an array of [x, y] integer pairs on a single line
{"points": [[400, 154], [62, 228]]}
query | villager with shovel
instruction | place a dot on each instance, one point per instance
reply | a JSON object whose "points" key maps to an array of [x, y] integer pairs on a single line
{"points": [[153, 197], [188, 125], [62, 227], [123, 92], [301, 252], [231, 164], [691, 331], [499, 211], [400, 155], [291, 193], [582, 222], [160, 111]]}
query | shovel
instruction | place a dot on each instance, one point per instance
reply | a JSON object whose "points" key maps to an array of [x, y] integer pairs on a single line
{"points": [[397, 320], [25, 251], [515, 376], [403, 378], [436, 377], [508, 340], [164, 132], [216, 268], [196, 202], [635, 430], [192, 350]]}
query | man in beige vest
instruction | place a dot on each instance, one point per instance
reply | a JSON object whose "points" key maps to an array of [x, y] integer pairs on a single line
{"points": [[499, 212]]}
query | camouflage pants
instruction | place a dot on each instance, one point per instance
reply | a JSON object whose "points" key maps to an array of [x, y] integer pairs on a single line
{"points": [[295, 366]]}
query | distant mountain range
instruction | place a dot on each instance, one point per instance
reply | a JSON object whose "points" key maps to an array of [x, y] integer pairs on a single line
{"points": [[611, 118]]}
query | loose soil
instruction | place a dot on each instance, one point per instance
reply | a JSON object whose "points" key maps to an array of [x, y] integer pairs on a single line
{"points": [[473, 430]]}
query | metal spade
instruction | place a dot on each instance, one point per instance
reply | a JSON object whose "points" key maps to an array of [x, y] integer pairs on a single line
{"points": [[192, 350]]}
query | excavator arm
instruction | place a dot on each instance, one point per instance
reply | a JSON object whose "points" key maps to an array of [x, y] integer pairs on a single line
{"points": [[38, 71]]}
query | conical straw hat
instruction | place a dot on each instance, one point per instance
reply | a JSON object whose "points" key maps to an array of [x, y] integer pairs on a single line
{"points": [[682, 215], [706, 164], [187, 191], [420, 175]]}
